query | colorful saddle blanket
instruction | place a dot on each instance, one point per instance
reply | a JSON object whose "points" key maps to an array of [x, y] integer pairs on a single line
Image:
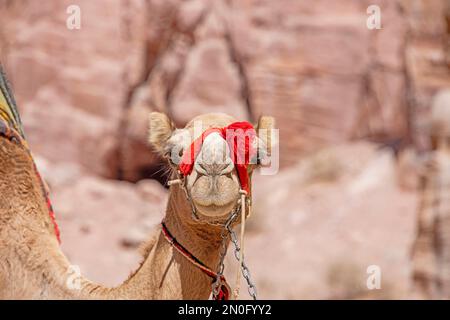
{"points": [[12, 129]]}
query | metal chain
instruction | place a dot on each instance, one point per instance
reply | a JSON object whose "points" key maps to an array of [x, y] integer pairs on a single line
{"points": [[245, 271], [223, 252]]}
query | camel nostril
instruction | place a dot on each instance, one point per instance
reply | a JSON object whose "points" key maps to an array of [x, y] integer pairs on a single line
{"points": [[201, 169]]}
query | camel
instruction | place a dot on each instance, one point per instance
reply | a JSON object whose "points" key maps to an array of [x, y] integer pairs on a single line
{"points": [[32, 265], [431, 250]]}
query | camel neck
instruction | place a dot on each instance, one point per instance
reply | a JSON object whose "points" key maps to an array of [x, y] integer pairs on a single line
{"points": [[31, 240], [165, 272], [200, 239]]}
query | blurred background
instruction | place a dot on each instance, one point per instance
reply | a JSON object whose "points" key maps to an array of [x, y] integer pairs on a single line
{"points": [[352, 105]]}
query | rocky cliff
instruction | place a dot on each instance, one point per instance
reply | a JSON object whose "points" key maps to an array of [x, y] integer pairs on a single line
{"points": [[85, 94]]}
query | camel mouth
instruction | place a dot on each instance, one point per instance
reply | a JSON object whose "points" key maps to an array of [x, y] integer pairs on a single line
{"points": [[215, 211], [214, 197]]}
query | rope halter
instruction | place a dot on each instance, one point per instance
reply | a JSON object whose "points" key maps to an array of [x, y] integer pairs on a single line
{"points": [[241, 140], [240, 137]]}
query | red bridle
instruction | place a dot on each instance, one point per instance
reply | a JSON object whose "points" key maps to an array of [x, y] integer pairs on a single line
{"points": [[224, 291], [240, 137]]}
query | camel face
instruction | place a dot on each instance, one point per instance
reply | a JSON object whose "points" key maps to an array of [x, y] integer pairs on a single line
{"points": [[213, 183]]}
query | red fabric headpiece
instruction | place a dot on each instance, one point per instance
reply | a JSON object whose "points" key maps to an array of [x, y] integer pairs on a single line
{"points": [[240, 138]]}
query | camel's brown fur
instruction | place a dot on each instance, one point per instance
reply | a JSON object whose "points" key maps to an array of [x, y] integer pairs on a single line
{"points": [[32, 265]]}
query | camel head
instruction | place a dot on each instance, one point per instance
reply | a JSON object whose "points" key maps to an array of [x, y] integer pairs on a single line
{"points": [[213, 182]]}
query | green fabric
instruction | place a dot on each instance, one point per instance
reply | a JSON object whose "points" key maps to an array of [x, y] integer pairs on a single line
{"points": [[8, 108], [5, 110]]}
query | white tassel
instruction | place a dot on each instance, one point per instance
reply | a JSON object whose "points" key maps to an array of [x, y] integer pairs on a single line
{"points": [[241, 253], [173, 182]]}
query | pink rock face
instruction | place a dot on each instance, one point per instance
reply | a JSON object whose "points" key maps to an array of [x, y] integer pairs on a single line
{"points": [[136, 157], [210, 83], [89, 70], [108, 219], [243, 58], [315, 61], [63, 133], [331, 218]]}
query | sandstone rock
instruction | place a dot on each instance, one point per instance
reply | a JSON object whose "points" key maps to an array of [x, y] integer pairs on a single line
{"points": [[57, 176], [389, 50], [314, 65], [97, 216], [62, 133], [409, 168], [240, 57], [331, 232], [210, 83], [301, 57], [190, 14], [440, 114], [426, 61], [137, 158], [422, 16], [136, 155], [385, 107], [87, 74]]}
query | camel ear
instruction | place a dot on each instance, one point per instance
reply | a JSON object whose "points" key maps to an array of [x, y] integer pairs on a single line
{"points": [[264, 130], [161, 129]]}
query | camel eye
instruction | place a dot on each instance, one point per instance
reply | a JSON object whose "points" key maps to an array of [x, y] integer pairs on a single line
{"points": [[174, 154]]}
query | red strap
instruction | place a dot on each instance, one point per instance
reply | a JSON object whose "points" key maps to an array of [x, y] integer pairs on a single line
{"points": [[51, 212], [189, 156], [224, 292], [241, 153], [10, 133]]}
